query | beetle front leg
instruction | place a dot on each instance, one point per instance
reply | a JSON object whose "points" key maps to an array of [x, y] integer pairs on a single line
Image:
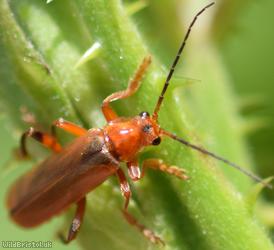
{"points": [[158, 164], [47, 140], [125, 189], [133, 86], [76, 223]]}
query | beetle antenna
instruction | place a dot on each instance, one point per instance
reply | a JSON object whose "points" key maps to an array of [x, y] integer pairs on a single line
{"points": [[179, 53], [229, 163]]}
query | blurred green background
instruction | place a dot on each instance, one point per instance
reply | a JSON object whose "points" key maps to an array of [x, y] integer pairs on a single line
{"points": [[243, 34], [247, 50]]}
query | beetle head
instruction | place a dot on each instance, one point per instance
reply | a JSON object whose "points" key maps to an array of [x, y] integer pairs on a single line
{"points": [[128, 136]]}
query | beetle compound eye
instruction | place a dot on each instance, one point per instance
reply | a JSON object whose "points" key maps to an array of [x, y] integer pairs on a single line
{"points": [[147, 128], [156, 141], [144, 114]]}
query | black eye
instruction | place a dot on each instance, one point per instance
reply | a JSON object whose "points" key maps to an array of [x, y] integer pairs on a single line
{"points": [[156, 141], [144, 114], [147, 128]]}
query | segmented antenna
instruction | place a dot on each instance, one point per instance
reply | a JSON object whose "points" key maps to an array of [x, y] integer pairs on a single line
{"points": [[229, 163], [186, 143], [161, 97]]}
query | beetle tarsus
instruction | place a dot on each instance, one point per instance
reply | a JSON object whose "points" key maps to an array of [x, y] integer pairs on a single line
{"points": [[45, 139], [150, 235], [74, 228], [158, 164]]}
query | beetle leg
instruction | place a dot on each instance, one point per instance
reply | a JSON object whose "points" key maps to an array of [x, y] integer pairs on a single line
{"points": [[46, 139], [125, 189], [158, 164], [76, 223], [133, 86], [77, 220], [134, 170], [68, 127]]}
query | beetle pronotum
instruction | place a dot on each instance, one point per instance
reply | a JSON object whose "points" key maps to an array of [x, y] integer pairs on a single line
{"points": [[92, 157]]}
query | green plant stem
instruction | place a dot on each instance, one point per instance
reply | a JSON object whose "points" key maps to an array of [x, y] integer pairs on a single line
{"points": [[232, 228]]}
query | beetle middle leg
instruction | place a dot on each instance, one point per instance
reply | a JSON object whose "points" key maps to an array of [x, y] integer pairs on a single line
{"points": [[125, 189], [68, 127], [133, 86], [76, 223], [46, 139]]}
